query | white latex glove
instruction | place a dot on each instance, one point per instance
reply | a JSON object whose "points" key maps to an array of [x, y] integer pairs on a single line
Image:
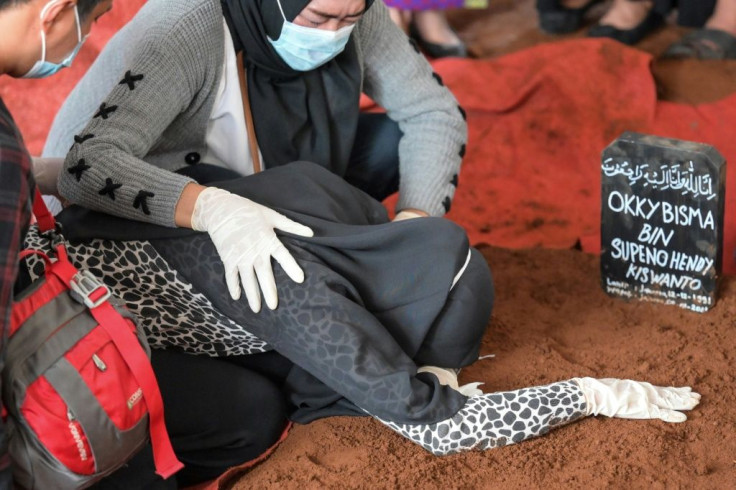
{"points": [[402, 215], [243, 233], [448, 377], [628, 399]]}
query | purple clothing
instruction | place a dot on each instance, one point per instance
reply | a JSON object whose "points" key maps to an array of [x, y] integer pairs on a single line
{"points": [[424, 4]]}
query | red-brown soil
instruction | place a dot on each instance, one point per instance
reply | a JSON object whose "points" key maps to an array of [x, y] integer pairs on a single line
{"points": [[552, 322]]}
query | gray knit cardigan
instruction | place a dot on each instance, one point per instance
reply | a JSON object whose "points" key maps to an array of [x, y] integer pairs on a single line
{"points": [[141, 112]]}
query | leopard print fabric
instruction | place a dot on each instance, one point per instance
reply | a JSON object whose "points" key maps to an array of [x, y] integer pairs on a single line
{"points": [[498, 419], [171, 311]]}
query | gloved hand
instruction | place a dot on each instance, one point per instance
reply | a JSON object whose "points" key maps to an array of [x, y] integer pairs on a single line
{"points": [[628, 399], [448, 377], [243, 233], [406, 214]]}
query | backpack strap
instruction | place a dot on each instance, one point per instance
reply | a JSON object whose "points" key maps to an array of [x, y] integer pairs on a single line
{"points": [[135, 357], [24, 254], [46, 221], [163, 454]]}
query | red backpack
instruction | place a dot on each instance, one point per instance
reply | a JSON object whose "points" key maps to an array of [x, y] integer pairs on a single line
{"points": [[77, 384]]}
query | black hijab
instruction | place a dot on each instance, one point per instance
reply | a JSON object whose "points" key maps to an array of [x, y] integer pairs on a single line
{"points": [[310, 115]]}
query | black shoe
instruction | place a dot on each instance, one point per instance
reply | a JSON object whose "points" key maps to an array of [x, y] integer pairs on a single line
{"points": [[704, 44], [556, 19], [438, 50], [652, 21]]}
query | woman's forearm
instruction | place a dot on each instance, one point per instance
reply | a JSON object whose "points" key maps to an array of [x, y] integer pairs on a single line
{"points": [[434, 130], [499, 419], [185, 206], [46, 173]]}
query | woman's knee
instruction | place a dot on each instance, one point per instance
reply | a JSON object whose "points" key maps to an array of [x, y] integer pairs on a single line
{"points": [[455, 338], [218, 414], [257, 429], [248, 417]]}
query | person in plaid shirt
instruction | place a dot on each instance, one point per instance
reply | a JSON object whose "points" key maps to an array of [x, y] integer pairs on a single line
{"points": [[39, 38], [16, 185]]}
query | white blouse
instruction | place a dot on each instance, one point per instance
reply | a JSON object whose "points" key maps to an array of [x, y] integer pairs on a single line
{"points": [[227, 134]]}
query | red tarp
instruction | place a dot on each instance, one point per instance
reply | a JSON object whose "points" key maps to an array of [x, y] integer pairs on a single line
{"points": [[538, 119]]}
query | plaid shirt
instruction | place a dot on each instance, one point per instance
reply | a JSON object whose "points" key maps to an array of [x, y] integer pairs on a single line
{"points": [[16, 186], [16, 191]]}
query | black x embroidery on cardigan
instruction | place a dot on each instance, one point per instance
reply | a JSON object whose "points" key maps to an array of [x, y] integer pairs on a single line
{"points": [[414, 45], [78, 169], [110, 188], [131, 79], [140, 201], [81, 139], [105, 111]]}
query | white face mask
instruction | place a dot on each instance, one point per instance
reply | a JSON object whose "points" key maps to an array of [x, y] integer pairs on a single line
{"points": [[43, 68], [306, 48]]}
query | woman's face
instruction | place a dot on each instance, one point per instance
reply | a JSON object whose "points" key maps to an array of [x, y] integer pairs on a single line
{"points": [[330, 15]]}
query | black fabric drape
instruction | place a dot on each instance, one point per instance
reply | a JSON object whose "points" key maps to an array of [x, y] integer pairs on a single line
{"points": [[375, 303], [308, 116]]}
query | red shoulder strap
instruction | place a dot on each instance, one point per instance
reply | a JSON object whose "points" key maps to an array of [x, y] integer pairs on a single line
{"points": [[108, 318], [163, 454], [46, 221]]}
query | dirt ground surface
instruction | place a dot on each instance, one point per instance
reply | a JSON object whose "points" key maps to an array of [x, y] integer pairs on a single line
{"points": [[551, 322]]}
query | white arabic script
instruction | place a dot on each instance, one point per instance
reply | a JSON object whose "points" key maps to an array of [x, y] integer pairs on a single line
{"points": [[674, 176]]}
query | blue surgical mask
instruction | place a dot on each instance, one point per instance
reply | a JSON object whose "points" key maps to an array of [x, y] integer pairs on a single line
{"points": [[306, 48], [43, 68]]}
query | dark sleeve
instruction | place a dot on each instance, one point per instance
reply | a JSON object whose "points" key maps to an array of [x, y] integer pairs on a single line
{"points": [[16, 190]]}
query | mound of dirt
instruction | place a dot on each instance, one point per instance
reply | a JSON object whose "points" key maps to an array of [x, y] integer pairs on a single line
{"points": [[552, 322]]}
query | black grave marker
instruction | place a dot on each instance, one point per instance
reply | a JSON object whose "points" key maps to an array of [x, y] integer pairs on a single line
{"points": [[662, 220]]}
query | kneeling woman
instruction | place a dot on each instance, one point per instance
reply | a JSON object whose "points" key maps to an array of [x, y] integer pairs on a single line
{"points": [[379, 301]]}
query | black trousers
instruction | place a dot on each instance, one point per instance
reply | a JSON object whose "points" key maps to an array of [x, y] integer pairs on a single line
{"points": [[374, 162], [690, 13], [219, 414]]}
